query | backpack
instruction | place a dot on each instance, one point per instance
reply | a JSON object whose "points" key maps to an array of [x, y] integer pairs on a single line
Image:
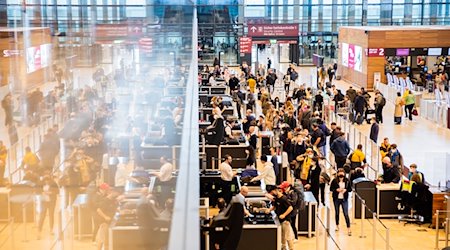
{"points": [[294, 76], [383, 101], [299, 190]]}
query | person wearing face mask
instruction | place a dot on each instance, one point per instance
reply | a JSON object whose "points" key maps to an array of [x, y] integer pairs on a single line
{"points": [[396, 157], [305, 160], [48, 197], [313, 180], [340, 187]]}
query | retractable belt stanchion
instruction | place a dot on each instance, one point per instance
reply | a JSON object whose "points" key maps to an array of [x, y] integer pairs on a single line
{"points": [[387, 239], [374, 240], [363, 217]]}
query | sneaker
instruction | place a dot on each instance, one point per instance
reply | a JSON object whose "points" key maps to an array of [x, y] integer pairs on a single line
{"points": [[349, 233], [337, 229]]}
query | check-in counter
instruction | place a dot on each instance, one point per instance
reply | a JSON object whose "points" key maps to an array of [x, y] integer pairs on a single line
{"points": [[260, 233], [205, 113], [237, 152], [151, 155], [388, 202], [261, 236], [5, 212], [214, 90], [213, 187], [127, 230], [306, 219], [82, 217], [266, 141], [366, 189]]}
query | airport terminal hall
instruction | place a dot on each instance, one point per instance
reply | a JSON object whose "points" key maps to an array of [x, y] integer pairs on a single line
{"points": [[224, 124]]}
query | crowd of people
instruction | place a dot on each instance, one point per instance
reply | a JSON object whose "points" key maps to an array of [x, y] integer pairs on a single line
{"points": [[304, 138]]}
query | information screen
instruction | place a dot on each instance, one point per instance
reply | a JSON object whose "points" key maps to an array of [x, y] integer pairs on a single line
{"points": [[402, 52], [434, 51]]}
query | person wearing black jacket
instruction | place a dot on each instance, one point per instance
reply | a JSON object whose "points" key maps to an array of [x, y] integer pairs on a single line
{"points": [[335, 131], [313, 181], [270, 80], [340, 187], [360, 105], [233, 83], [390, 173], [276, 166], [340, 149]]}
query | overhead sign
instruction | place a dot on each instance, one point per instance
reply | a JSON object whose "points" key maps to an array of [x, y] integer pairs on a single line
{"points": [[245, 45], [111, 30], [375, 52], [274, 30], [11, 52]]}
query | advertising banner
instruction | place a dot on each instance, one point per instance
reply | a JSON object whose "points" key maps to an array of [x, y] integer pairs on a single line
{"points": [[344, 54], [38, 57], [351, 56], [358, 58]]}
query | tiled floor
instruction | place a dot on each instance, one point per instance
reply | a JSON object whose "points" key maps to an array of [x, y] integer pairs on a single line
{"points": [[420, 141]]}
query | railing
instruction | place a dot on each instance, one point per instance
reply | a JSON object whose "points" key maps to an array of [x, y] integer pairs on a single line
{"points": [[383, 232], [30, 200], [65, 234], [327, 237], [430, 109], [10, 237], [33, 140], [355, 137], [446, 227]]}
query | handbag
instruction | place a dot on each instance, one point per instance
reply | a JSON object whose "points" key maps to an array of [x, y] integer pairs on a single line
{"points": [[415, 112]]}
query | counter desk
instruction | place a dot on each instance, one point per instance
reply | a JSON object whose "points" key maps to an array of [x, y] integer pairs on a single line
{"points": [[262, 235], [306, 219], [5, 212], [388, 202]]}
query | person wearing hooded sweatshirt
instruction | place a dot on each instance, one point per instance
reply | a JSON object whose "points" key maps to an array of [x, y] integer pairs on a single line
{"points": [[396, 157]]}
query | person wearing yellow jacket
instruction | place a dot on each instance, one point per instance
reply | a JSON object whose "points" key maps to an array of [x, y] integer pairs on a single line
{"points": [[251, 84], [385, 147], [3, 156], [30, 160], [357, 157]]}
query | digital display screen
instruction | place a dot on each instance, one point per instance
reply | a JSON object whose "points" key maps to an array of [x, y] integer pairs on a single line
{"points": [[434, 51], [402, 52]]}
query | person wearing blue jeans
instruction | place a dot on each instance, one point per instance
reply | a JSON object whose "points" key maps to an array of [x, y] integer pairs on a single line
{"points": [[340, 187]]}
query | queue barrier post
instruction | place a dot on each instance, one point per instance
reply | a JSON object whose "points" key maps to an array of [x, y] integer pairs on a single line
{"points": [[363, 217], [374, 240], [387, 239], [437, 230]]}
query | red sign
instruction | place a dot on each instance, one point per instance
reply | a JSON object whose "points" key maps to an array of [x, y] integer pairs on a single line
{"points": [[245, 45], [111, 30], [146, 44], [379, 52], [273, 30]]}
